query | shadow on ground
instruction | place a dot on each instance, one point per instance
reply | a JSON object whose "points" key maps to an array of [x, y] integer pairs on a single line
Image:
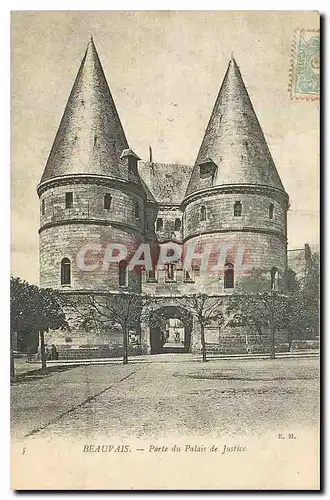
{"points": [[37, 374], [225, 376]]}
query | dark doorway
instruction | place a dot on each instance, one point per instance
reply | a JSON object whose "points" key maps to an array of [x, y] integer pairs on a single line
{"points": [[170, 330]]}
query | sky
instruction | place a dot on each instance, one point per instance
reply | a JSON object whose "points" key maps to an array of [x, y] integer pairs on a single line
{"points": [[164, 70]]}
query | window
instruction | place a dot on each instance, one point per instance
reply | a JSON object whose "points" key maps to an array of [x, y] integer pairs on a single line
{"points": [[136, 210], [66, 271], [69, 200], [274, 278], [202, 215], [170, 272], [43, 207], [271, 211], [229, 276], [132, 163], [151, 275], [196, 270], [122, 273], [207, 170], [237, 209], [107, 201], [177, 224], [159, 225], [188, 276]]}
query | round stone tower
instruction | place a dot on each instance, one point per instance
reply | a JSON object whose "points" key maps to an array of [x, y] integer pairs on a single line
{"points": [[90, 192], [235, 199]]}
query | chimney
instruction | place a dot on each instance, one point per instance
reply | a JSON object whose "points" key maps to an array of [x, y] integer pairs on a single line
{"points": [[150, 154]]}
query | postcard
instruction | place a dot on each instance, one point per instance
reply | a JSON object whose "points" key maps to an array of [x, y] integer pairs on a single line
{"points": [[165, 250]]}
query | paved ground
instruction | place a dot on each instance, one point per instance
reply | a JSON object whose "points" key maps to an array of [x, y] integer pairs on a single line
{"points": [[172, 395], [22, 366]]}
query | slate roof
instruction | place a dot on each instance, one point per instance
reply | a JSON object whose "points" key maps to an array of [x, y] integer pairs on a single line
{"points": [[166, 182], [90, 138], [234, 140]]}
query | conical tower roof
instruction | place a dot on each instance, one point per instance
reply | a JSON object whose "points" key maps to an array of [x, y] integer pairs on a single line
{"points": [[90, 138], [234, 144]]}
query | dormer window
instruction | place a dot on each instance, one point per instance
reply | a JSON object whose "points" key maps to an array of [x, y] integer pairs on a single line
{"points": [[237, 209], [207, 169], [107, 201], [131, 158], [132, 163]]}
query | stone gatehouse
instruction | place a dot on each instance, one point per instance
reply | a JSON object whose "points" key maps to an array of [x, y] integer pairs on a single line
{"points": [[95, 190]]}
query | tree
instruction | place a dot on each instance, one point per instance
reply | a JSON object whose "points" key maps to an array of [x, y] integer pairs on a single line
{"points": [[48, 314], [260, 310], [302, 315], [123, 309], [34, 308], [207, 310], [310, 294], [19, 317]]}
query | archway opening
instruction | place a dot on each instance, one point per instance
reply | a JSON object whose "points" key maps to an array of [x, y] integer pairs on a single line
{"points": [[170, 330]]}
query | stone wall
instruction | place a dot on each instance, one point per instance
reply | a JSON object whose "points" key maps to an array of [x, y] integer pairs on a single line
{"points": [[67, 240], [64, 232], [220, 213], [88, 204], [169, 216]]}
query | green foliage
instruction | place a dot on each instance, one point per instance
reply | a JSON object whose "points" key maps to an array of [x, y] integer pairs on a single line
{"points": [[304, 301], [262, 310], [34, 308], [295, 310], [311, 295]]}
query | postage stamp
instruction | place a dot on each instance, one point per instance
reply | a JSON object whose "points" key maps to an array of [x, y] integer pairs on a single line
{"points": [[305, 65]]}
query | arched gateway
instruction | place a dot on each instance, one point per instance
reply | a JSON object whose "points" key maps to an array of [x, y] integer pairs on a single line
{"points": [[170, 329]]}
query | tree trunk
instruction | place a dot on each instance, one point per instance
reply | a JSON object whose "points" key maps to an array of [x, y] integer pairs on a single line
{"points": [[43, 352], [272, 343], [125, 345], [290, 339], [203, 343], [12, 364]]}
